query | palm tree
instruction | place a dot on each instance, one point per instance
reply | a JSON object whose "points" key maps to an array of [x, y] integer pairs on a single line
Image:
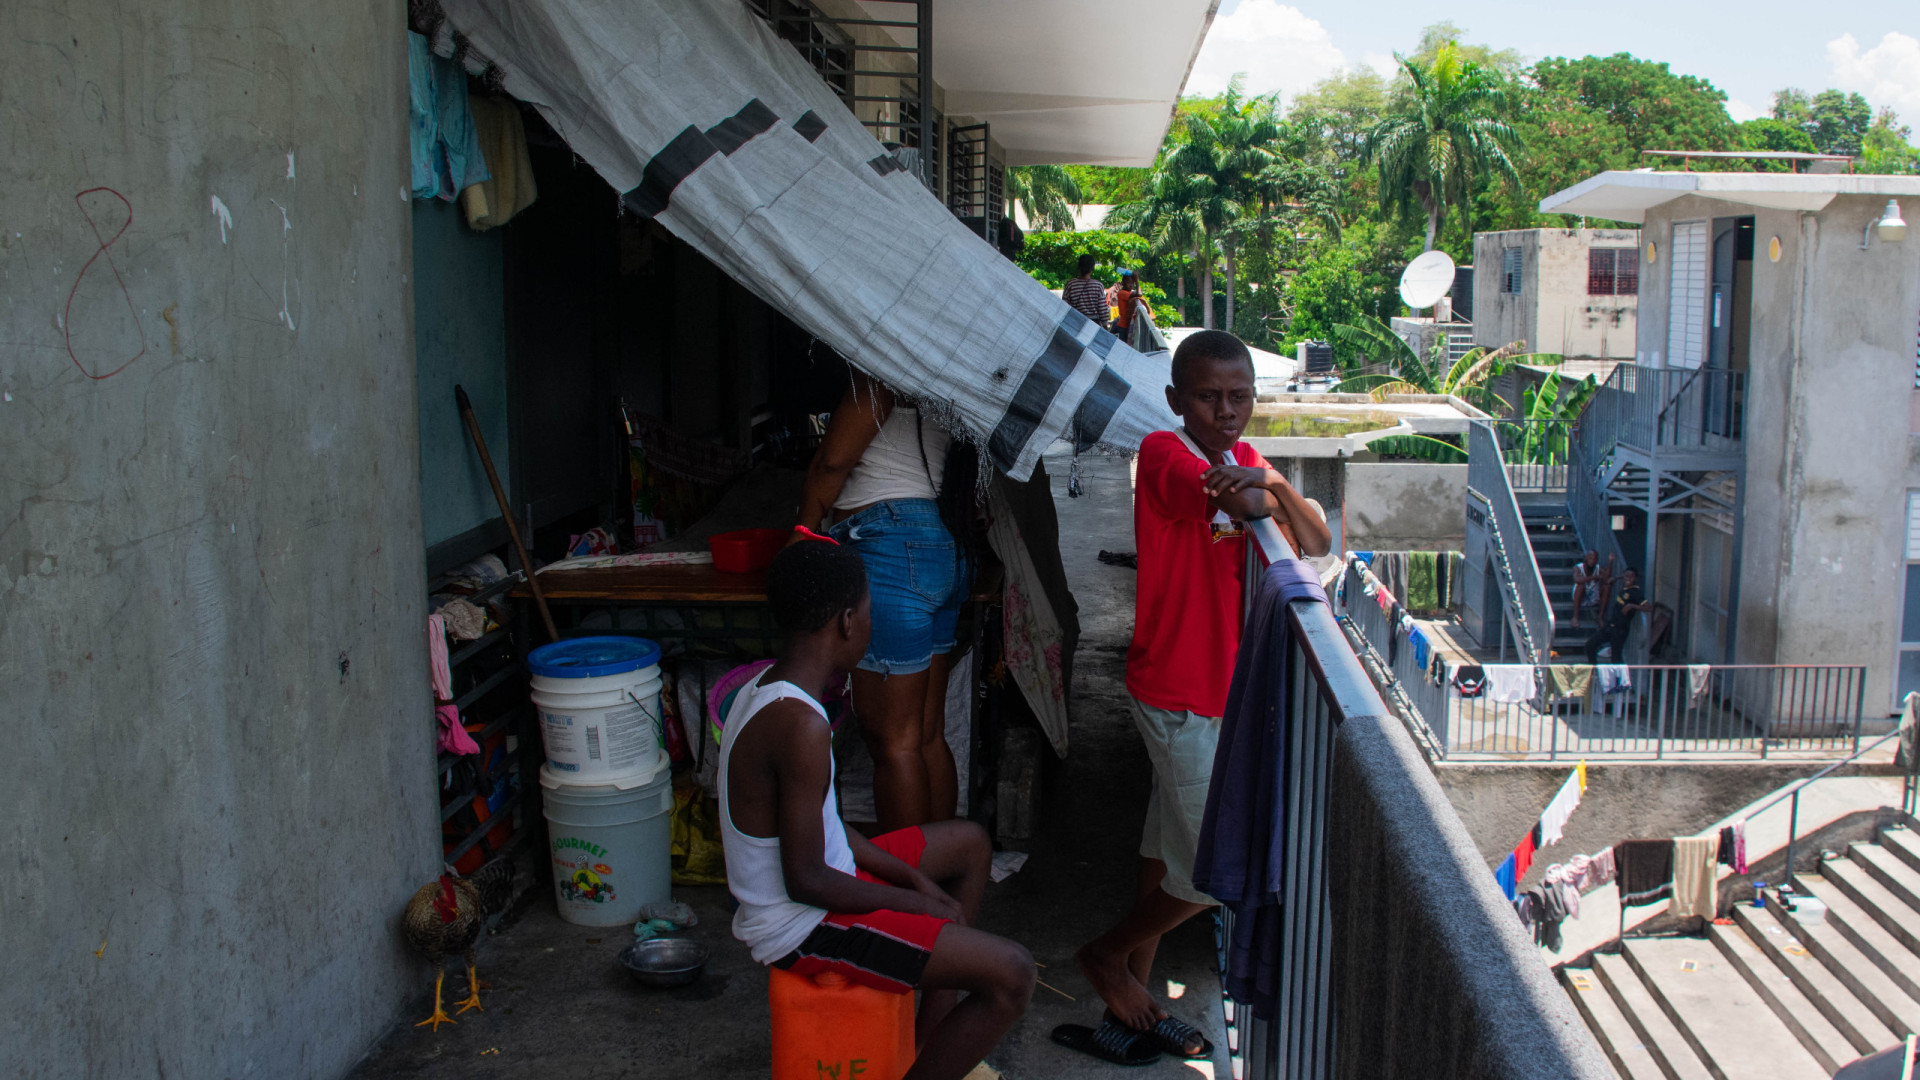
{"points": [[1173, 219], [1048, 193], [1447, 124]]}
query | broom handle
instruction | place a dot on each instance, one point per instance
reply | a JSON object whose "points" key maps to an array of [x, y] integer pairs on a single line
{"points": [[506, 514]]}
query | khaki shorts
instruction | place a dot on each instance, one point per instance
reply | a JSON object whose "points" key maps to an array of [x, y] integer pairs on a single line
{"points": [[1180, 745]]}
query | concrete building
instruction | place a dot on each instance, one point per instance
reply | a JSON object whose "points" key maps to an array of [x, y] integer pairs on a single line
{"points": [[231, 455], [1568, 291], [1767, 430]]}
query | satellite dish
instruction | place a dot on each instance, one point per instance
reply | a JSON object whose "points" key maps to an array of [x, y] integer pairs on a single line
{"points": [[1427, 279]]}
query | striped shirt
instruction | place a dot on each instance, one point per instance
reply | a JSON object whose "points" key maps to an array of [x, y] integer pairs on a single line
{"points": [[1088, 297]]}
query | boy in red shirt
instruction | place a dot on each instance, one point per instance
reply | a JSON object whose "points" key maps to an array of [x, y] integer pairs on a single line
{"points": [[1193, 490]]}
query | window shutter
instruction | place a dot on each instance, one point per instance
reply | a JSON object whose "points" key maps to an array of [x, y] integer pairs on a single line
{"points": [[1687, 296], [1913, 527], [1510, 270]]}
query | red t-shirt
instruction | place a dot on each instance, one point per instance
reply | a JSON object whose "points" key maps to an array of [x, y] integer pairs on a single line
{"points": [[1187, 602]]}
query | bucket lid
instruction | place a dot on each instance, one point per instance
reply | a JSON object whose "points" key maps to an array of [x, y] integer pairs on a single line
{"points": [[552, 779], [590, 657]]}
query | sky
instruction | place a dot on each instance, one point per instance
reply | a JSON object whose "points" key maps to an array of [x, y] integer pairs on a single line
{"points": [[1869, 46]]}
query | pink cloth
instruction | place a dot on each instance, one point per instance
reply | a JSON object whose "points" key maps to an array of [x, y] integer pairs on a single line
{"points": [[453, 738], [1740, 846]]}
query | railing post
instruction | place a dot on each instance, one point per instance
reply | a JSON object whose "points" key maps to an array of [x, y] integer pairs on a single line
{"points": [[1793, 832]]}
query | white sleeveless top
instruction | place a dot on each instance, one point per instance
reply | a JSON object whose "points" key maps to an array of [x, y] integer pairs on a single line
{"points": [[892, 467], [772, 923]]}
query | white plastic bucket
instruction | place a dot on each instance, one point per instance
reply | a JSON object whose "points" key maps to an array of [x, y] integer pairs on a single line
{"points": [[611, 846], [599, 705]]}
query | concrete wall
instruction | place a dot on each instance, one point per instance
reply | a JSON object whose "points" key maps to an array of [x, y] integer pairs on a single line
{"points": [[1830, 402], [460, 337], [220, 789], [1552, 311], [1405, 507], [1499, 803]]}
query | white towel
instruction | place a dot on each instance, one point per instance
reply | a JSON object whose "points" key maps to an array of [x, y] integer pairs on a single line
{"points": [[1698, 680], [1613, 679], [1554, 819], [1510, 683]]}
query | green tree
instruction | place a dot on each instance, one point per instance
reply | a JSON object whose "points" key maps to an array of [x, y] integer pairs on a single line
{"points": [[1835, 122], [1108, 184], [1170, 216], [1766, 133], [1450, 124], [1046, 192], [1236, 149], [1653, 107], [1886, 149]]}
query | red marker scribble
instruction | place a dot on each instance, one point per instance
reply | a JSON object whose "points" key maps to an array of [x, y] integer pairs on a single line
{"points": [[105, 243]]}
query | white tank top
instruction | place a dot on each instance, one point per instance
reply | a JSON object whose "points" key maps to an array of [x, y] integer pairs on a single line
{"points": [[892, 467], [772, 923]]}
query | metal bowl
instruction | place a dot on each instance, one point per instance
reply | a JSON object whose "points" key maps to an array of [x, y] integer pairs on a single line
{"points": [[665, 961]]}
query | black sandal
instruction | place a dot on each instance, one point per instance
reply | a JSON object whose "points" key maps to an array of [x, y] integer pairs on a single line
{"points": [[1112, 1042], [1174, 1036]]}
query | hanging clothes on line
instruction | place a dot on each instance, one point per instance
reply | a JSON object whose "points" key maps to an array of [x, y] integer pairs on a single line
{"points": [[1694, 866], [1554, 818], [1510, 683], [1646, 871], [1470, 680], [1505, 875]]}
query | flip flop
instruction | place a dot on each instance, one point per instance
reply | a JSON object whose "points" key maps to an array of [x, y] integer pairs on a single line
{"points": [[1174, 1035], [1112, 1042]]}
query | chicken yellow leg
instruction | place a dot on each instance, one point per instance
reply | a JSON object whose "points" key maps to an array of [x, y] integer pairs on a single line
{"points": [[439, 1014], [473, 990]]}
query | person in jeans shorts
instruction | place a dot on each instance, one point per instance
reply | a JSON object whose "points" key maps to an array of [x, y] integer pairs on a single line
{"points": [[1194, 489], [873, 483]]}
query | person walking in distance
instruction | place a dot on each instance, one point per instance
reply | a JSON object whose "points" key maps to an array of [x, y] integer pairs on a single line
{"points": [[1087, 296]]}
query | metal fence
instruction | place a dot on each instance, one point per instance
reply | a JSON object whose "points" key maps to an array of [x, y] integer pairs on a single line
{"points": [[1398, 956], [1650, 407], [1745, 710]]}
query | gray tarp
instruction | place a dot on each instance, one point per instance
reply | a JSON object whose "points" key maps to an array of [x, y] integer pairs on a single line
{"points": [[719, 130]]}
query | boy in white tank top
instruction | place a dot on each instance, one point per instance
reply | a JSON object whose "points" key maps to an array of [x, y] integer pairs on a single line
{"points": [[895, 912]]}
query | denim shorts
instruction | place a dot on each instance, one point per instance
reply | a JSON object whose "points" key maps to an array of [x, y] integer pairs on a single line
{"points": [[918, 581]]}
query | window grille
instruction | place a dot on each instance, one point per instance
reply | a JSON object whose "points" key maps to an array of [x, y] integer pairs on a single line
{"points": [[1510, 265]]}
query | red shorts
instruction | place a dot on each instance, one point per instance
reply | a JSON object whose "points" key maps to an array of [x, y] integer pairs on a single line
{"points": [[887, 950]]}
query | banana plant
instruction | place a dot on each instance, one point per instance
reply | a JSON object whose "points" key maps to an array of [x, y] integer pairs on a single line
{"points": [[1549, 414]]}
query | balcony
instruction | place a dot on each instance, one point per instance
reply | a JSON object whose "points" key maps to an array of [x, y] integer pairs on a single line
{"points": [[1695, 417]]}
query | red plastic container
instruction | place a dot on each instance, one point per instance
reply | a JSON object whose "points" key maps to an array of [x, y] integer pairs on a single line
{"points": [[746, 550], [826, 1026]]}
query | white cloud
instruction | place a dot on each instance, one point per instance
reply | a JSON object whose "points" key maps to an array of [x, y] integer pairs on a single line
{"points": [[1383, 63], [1278, 47], [1743, 112], [1887, 74]]}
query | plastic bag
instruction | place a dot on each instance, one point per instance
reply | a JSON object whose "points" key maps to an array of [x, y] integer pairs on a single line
{"points": [[698, 858]]}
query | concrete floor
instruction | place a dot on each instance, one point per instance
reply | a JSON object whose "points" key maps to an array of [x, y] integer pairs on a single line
{"points": [[559, 1005]]}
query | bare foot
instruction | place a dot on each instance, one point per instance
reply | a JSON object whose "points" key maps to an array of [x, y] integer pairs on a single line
{"points": [[1125, 997]]}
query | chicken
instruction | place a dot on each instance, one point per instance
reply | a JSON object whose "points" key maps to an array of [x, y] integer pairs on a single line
{"points": [[447, 917]]}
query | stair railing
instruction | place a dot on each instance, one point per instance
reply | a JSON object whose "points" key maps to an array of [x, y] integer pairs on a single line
{"points": [[1793, 816], [1522, 589]]}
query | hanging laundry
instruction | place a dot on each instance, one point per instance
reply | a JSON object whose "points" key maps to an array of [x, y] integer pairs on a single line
{"points": [[1740, 846], [1384, 598], [1569, 680], [1600, 868], [1422, 590], [1724, 852], [1470, 680], [1699, 679], [1363, 557], [1511, 683], [1505, 875], [1553, 911], [1580, 770], [1646, 871], [1613, 679], [452, 737], [1421, 651], [1694, 874], [1554, 818], [1523, 853], [446, 151], [509, 188]]}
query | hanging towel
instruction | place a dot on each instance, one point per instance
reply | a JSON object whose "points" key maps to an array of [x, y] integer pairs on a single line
{"points": [[1613, 679], [1523, 853], [452, 737], [1421, 650], [1243, 850], [1740, 846], [1505, 875], [446, 151], [503, 139], [1554, 818], [1569, 680], [1600, 868], [1723, 852], [1693, 876], [1510, 683], [1646, 871], [1470, 680], [1422, 589], [1699, 678], [1384, 597]]}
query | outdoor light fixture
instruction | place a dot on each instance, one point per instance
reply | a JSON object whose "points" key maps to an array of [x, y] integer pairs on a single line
{"points": [[1890, 226]]}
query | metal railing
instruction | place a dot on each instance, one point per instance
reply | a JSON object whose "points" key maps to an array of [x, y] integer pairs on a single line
{"points": [[1396, 953], [1693, 710], [1527, 606], [1655, 408]]}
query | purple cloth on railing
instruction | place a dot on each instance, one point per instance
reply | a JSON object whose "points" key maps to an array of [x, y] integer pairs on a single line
{"points": [[1242, 852]]}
